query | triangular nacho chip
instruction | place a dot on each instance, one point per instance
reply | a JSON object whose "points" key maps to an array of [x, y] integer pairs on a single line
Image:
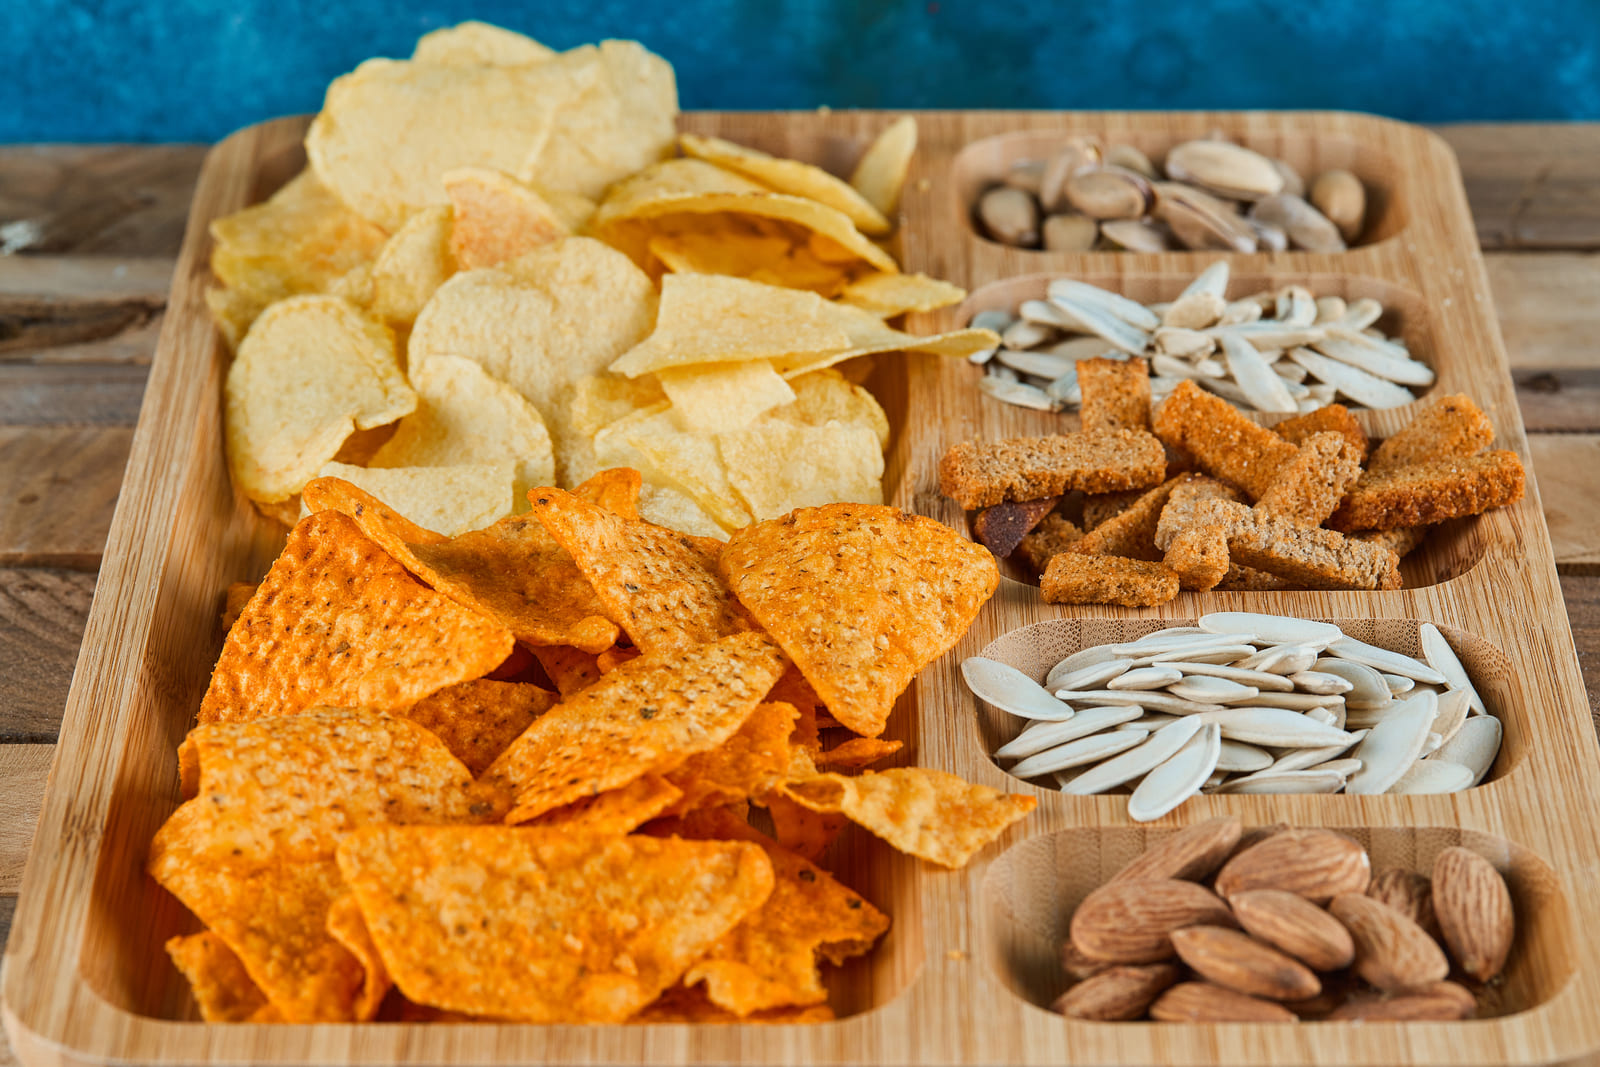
{"points": [[478, 720], [691, 1005], [448, 500], [346, 926], [855, 754], [616, 811], [222, 987], [750, 763]]}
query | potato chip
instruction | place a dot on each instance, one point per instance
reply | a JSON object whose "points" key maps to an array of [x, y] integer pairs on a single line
{"points": [[496, 218], [888, 295], [389, 130], [869, 335], [881, 172], [855, 754], [233, 311], [354, 285], [750, 763], [346, 926], [598, 400], [571, 669], [770, 251], [919, 811], [778, 466], [254, 858], [770, 959], [788, 176], [359, 631], [860, 597], [673, 510], [512, 571], [681, 1005], [447, 500], [616, 811], [623, 120], [372, 514], [691, 464], [221, 986], [708, 318], [414, 262], [712, 397], [302, 240], [475, 43], [826, 396], [311, 371], [661, 587], [478, 720], [645, 717], [542, 925], [464, 416]]}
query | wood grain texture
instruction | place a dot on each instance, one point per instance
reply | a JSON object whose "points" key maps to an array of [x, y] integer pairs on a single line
{"points": [[97, 199], [944, 984], [1532, 185], [1566, 464], [71, 395], [42, 616], [58, 490]]}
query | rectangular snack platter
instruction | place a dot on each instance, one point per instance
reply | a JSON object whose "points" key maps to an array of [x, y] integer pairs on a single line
{"points": [[968, 969]]}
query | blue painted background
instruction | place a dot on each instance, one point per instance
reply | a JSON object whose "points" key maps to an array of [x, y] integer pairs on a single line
{"points": [[195, 69]]}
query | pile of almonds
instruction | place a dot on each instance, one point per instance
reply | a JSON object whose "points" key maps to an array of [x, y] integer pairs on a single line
{"points": [[1279, 925], [1209, 194]]}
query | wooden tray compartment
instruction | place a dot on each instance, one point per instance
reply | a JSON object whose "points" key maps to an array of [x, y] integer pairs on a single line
{"points": [[1032, 891], [1033, 650], [83, 975]]}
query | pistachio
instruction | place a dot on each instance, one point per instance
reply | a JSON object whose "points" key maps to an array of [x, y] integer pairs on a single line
{"points": [[1125, 155], [1079, 153], [1340, 196], [1201, 221], [1010, 216], [1070, 233], [1293, 184], [1137, 235], [1109, 192], [1025, 174], [1307, 227], [1271, 237], [1224, 169]]}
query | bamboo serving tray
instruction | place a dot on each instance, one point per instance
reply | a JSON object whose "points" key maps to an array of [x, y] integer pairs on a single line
{"points": [[967, 972]]}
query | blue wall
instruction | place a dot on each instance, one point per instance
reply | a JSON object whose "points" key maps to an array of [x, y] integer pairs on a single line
{"points": [[196, 69]]}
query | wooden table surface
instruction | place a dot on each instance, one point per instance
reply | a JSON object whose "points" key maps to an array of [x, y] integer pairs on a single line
{"points": [[87, 241]]}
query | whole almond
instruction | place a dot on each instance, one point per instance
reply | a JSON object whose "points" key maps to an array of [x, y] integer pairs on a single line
{"points": [[1255, 835], [1202, 1002], [1409, 893], [1078, 966], [1117, 993], [1191, 854], [1295, 925], [1439, 1002], [1131, 922], [1473, 906], [1392, 952], [1316, 864], [1239, 962]]}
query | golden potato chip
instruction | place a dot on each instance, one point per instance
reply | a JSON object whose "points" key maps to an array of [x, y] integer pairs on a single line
{"points": [[750, 763], [414, 262], [712, 397], [686, 1005], [359, 631], [233, 311], [512, 571], [447, 500], [623, 120], [542, 925], [860, 597], [855, 754], [478, 43], [302, 240], [770, 251], [826, 396], [673, 510], [464, 416], [881, 172], [613, 444], [311, 371], [645, 717], [571, 669], [709, 318], [922, 812], [888, 295], [778, 466], [346, 926], [869, 335], [497, 218], [788, 176], [478, 720], [354, 285], [221, 986], [691, 464], [252, 855], [769, 960], [389, 130], [598, 400], [616, 811], [804, 832], [658, 585]]}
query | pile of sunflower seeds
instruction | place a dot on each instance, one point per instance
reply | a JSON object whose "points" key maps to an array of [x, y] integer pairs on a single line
{"points": [[1245, 703], [1285, 350]]}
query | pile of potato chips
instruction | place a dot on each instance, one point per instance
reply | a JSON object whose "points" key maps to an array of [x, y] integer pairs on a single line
{"points": [[518, 773], [492, 276]]}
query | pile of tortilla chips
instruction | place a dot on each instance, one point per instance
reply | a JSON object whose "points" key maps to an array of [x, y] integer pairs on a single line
{"points": [[458, 299], [572, 767]]}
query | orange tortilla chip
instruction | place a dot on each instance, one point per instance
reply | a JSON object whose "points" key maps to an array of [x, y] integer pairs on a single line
{"points": [[660, 585], [615, 489], [861, 597], [646, 716], [221, 986], [750, 763], [692, 1005], [543, 925], [478, 720], [801, 830], [571, 669], [346, 926], [616, 811], [234, 600], [252, 854], [856, 753], [356, 628], [614, 657], [919, 811]]}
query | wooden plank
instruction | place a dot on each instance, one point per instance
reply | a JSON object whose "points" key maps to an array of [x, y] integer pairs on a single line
{"points": [[59, 488], [47, 302], [1582, 595], [23, 770], [42, 616], [1565, 465], [1559, 401], [1547, 310], [96, 199], [1531, 185], [71, 394]]}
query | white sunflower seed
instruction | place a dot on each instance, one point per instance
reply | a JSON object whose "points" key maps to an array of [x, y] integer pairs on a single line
{"points": [[1090, 749], [1273, 629], [1474, 746], [1278, 782], [1172, 640], [1305, 758], [1384, 660], [1399, 686], [1213, 280], [1260, 679], [1434, 776], [1216, 654], [1264, 389], [1088, 657], [1281, 659], [1140, 760], [1238, 756], [1321, 683], [1011, 691], [1275, 728], [1393, 745], [1442, 658], [1292, 701], [1452, 714], [1178, 778], [1146, 678], [1067, 292], [1042, 736], [1019, 394], [993, 319], [1150, 699], [1204, 689], [1367, 686], [1095, 676], [1353, 382]]}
